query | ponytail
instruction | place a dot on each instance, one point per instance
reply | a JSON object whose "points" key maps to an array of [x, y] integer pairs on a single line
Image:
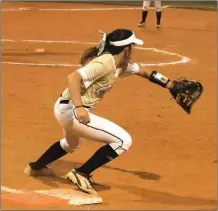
{"points": [[88, 54]]}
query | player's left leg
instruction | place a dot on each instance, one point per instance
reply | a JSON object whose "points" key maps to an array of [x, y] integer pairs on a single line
{"points": [[40, 167], [68, 144], [158, 12]]}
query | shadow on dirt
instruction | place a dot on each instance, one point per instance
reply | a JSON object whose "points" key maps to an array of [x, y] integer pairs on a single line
{"points": [[61, 167], [55, 181], [160, 197]]}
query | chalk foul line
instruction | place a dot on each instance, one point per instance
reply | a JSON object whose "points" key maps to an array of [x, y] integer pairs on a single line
{"points": [[10, 190], [73, 197], [22, 9], [39, 64], [51, 41]]}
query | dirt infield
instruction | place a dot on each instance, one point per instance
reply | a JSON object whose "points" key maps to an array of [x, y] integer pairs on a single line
{"points": [[172, 163]]}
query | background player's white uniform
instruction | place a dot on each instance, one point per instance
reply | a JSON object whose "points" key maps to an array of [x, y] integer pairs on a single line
{"points": [[146, 5]]}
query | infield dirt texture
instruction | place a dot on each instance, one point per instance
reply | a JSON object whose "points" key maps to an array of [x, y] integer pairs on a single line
{"points": [[172, 162]]}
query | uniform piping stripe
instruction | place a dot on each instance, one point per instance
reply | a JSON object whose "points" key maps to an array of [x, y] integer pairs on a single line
{"points": [[109, 134], [102, 131]]}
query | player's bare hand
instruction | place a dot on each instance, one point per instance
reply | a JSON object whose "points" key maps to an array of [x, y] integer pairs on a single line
{"points": [[82, 115]]}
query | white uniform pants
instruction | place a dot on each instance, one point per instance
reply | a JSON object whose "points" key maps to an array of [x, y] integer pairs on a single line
{"points": [[99, 129], [157, 4]]}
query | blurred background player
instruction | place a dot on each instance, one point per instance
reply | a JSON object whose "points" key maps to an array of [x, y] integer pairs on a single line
{"points": [[146, 5]]}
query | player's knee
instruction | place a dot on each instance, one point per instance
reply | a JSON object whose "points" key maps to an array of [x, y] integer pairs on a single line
{"points": [[66, 146], [122, 144], [127, 142]]}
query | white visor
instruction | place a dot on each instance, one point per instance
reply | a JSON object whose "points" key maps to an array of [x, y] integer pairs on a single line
{"points": [[127, 41]]}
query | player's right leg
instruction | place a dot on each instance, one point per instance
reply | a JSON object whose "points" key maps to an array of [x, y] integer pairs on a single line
{"points": [[99, 129], [145, 7]]}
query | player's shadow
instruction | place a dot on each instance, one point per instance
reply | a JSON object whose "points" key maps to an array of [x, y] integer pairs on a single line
{"points": [[55, 181], [61, 167], [146, 196], [141, 174]]}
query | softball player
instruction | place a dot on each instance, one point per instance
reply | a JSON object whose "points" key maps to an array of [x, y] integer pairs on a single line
{"points": [[145, 7], [102, 65]]}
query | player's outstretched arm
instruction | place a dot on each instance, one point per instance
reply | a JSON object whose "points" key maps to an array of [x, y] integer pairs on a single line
{"points": [[155, 77], [185, 92]]}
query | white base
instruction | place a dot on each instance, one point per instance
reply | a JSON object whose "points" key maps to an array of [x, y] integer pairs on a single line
{"points": [[75, 197]]}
